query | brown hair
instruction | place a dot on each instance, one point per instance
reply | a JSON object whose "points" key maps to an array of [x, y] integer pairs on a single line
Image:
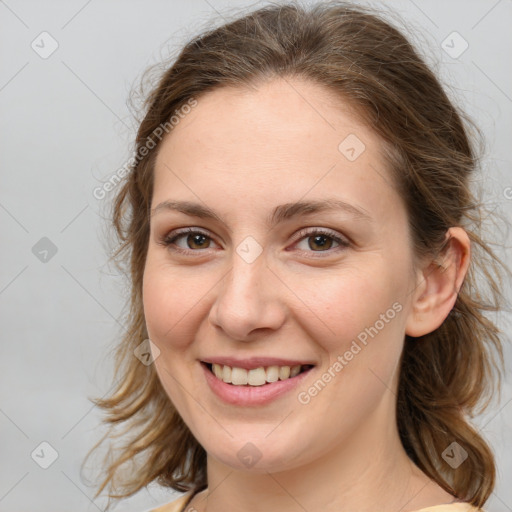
{"points": [[364, 60]]}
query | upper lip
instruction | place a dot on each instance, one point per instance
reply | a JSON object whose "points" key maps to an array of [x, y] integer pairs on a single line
{"points": [[255, 362]]}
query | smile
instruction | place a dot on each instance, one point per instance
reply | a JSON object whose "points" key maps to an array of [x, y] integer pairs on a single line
{"points": [[254, 387], [257, 376]]}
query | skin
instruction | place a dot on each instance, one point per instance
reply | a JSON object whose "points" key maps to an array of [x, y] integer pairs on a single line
{"points": [[242, 152]]}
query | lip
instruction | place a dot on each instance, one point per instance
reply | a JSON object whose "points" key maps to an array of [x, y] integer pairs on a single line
{"points": [[244, 396], [256, 362]]}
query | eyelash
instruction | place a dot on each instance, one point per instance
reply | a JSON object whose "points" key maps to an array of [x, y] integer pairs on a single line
{"points": [[168, 240]]}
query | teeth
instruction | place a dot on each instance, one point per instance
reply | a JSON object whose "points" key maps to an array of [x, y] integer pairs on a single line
{"points": [[256, 376], [294, 370], [226, 374], [238, 376], [284, 372], [273, 374]]}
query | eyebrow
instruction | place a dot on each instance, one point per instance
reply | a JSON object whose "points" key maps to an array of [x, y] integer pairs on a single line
{"points": [[280, 213]]}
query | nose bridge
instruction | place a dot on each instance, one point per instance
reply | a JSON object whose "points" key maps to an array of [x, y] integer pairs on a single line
{"points": [[245, 282], [246, 300]]}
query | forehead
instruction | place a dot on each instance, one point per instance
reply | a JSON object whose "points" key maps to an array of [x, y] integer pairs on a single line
{"points": [[283, 139], [280, 114]]}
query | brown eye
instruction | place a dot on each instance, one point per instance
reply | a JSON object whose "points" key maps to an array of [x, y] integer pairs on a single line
{"points": [[195, 241], [321, 240]]}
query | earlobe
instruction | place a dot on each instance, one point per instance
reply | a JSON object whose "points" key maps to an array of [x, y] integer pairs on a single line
{"points": [[439, 284]]}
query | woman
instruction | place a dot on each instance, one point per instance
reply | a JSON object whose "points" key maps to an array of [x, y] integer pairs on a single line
{"points": [[303, 247]]}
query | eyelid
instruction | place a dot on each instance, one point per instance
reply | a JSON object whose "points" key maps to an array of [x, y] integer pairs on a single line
{"points": [[342, 241], [311, 230]]}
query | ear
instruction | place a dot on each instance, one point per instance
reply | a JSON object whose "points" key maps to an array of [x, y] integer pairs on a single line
{"points": [[439, 283]]}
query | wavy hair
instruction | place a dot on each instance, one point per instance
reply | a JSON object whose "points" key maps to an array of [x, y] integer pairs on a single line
{"points": [[446, 376]]}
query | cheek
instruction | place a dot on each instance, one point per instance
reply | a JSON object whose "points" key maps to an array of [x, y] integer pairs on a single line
{"points": [[169, 299], [365, 316], [343, 307], [364, 313]]}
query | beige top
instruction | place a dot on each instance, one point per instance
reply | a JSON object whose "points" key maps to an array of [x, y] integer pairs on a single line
{"points": [[180, 505]]}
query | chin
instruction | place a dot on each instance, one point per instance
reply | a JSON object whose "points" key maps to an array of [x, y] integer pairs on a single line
{"points": [[258, 456]]}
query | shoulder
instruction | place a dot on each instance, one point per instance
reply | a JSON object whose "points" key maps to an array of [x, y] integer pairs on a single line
{"points": [[452, 507], [177, 505]]}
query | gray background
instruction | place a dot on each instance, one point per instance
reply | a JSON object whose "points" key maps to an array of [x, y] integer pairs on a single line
{"points": [[65, 128]]}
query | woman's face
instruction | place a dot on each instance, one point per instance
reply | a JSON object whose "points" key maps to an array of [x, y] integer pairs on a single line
{"points": [[258, 279]]}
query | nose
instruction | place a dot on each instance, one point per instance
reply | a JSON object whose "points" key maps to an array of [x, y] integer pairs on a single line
{"points": [[248, 300]]}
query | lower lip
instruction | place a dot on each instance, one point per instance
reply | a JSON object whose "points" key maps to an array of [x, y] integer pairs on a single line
{"points": [[251, 395]]}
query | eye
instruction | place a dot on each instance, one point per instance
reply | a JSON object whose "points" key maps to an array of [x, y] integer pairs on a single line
{"points": [[321, 240], [194, 240]]}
